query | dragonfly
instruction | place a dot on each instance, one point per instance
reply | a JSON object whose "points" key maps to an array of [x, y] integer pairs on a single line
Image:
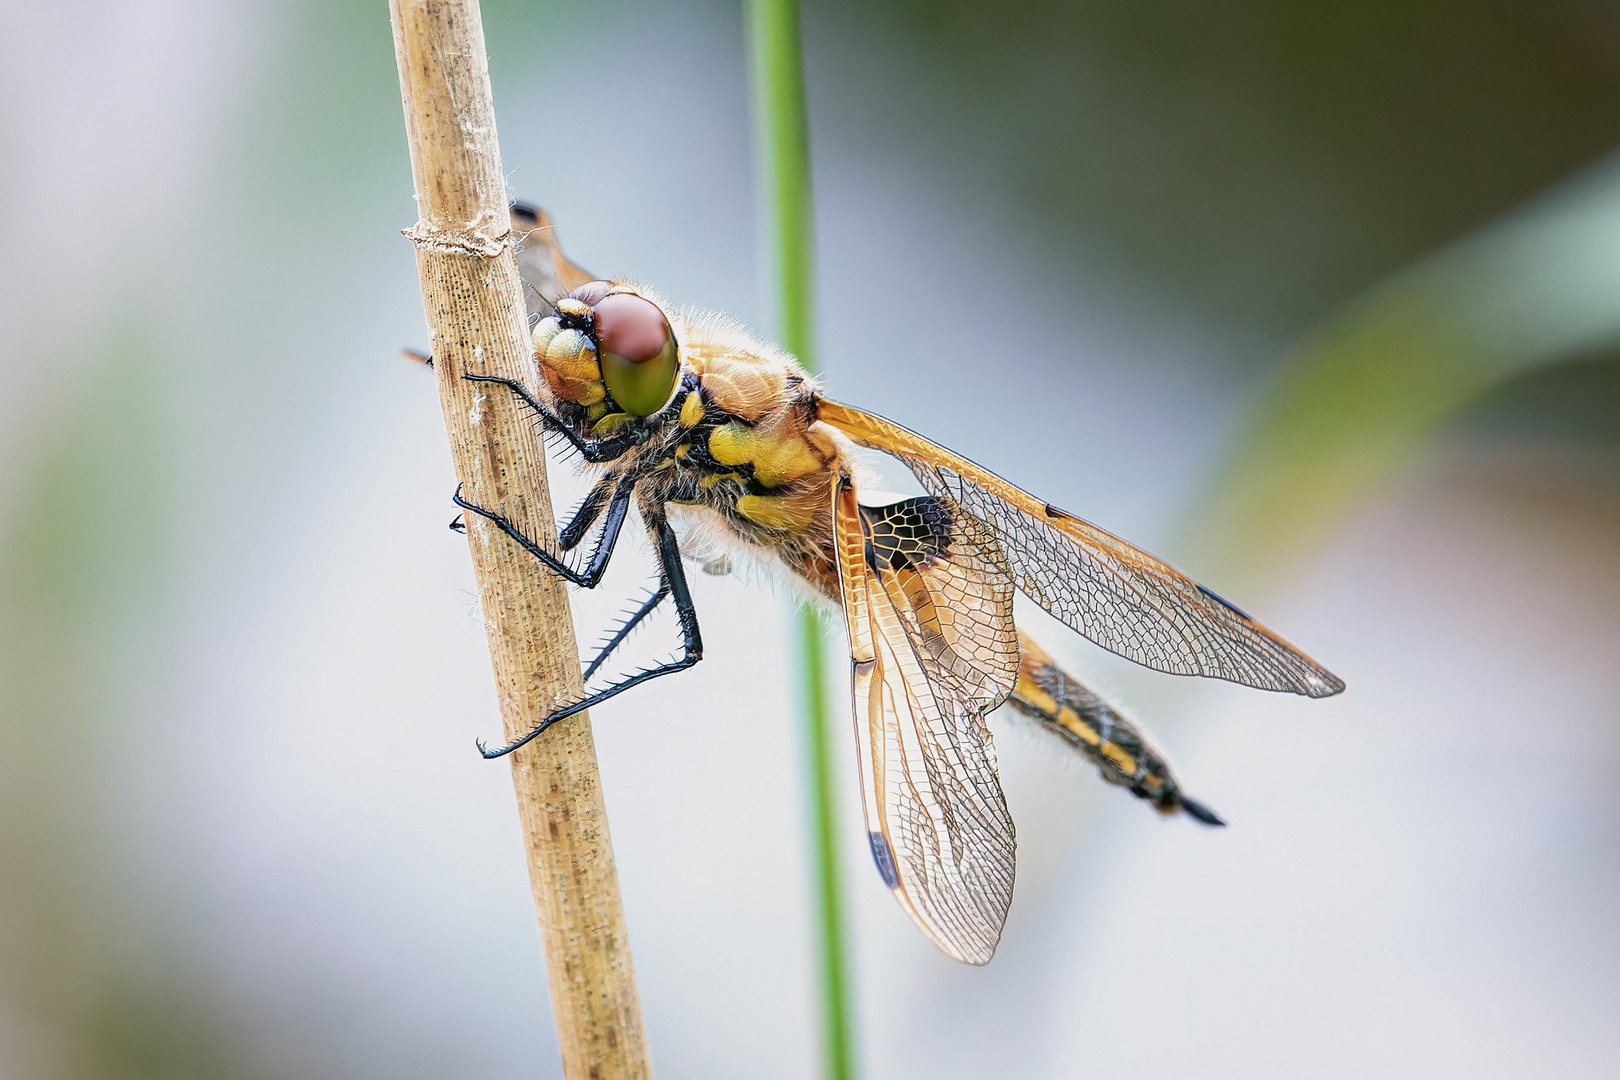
{"points": [[730, 452]]}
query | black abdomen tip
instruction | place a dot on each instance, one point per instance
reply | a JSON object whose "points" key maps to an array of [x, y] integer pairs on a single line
{"points": [[1200, 812]]}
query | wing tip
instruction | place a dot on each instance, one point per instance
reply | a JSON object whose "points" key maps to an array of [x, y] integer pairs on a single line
{"points": [[977, 960], [963, 943], [1316, 681], [1324, 685], [976, 953]]}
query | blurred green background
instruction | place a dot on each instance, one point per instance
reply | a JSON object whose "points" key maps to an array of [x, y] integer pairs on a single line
{"points": [[1318, 300]]}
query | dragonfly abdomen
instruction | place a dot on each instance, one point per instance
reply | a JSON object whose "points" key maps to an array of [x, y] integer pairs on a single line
{"points": [[1067, 707]]}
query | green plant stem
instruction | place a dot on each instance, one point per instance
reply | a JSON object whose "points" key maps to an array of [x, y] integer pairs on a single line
{"points": [[784, 154], [784, 147], [837, 1023]]}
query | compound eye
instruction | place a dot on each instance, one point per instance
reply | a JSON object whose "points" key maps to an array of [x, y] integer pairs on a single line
{"points": [[591, 293], [640, 362], [630, 325]]}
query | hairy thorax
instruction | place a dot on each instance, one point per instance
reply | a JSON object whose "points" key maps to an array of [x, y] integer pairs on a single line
{"points": [[738, 455]]}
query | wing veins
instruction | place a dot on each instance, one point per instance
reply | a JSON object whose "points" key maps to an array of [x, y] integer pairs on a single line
{"points": [[928, 769], [1121, 598]]}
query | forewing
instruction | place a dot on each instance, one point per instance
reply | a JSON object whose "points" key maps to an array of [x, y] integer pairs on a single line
{"points": [[547, 274], [938, 824], [1122, 598]]}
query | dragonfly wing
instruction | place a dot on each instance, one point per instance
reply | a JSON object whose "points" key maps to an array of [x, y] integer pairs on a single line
{"points": [[939, 827], [949, 584], [1122, 598], [548, 275]]}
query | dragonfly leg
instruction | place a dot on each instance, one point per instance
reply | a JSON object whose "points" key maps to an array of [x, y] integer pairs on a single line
{"points": [[591, 576], [585, 515], [674, 580], [631, 621], [594, 451]]}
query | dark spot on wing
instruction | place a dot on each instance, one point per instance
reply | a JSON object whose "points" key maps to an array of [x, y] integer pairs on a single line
{"points": [[907, 534], [884, 859], [1224, 602]]}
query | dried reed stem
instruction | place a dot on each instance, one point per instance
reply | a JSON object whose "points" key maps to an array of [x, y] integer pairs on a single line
{"points": [[476, 323]]}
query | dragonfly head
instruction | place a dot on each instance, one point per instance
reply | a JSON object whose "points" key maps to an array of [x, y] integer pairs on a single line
{"points": [[610, 350]]}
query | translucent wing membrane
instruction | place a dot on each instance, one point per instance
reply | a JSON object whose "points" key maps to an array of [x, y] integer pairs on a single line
{"points": [[547, 273], [1123, 599], [929, 611]]}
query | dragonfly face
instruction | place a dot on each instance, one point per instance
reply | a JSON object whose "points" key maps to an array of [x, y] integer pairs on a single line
{"points": [[704, 425], [609, 351]]}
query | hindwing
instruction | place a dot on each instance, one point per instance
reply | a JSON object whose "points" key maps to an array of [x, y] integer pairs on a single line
{"points": [[928, 606]]}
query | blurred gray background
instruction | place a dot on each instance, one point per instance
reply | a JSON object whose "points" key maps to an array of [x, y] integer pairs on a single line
{"points": [[1103, 248]]}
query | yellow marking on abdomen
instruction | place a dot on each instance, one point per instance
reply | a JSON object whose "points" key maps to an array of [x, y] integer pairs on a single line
{"points": [[1062, 715], [1140, 769], [1126, 763], [1069, 720]]}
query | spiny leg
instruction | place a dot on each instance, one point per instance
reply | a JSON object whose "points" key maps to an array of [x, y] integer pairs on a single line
{"points": [[585, 515], [674, 579], [594, 451], [632, 620], [618, 506]]}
